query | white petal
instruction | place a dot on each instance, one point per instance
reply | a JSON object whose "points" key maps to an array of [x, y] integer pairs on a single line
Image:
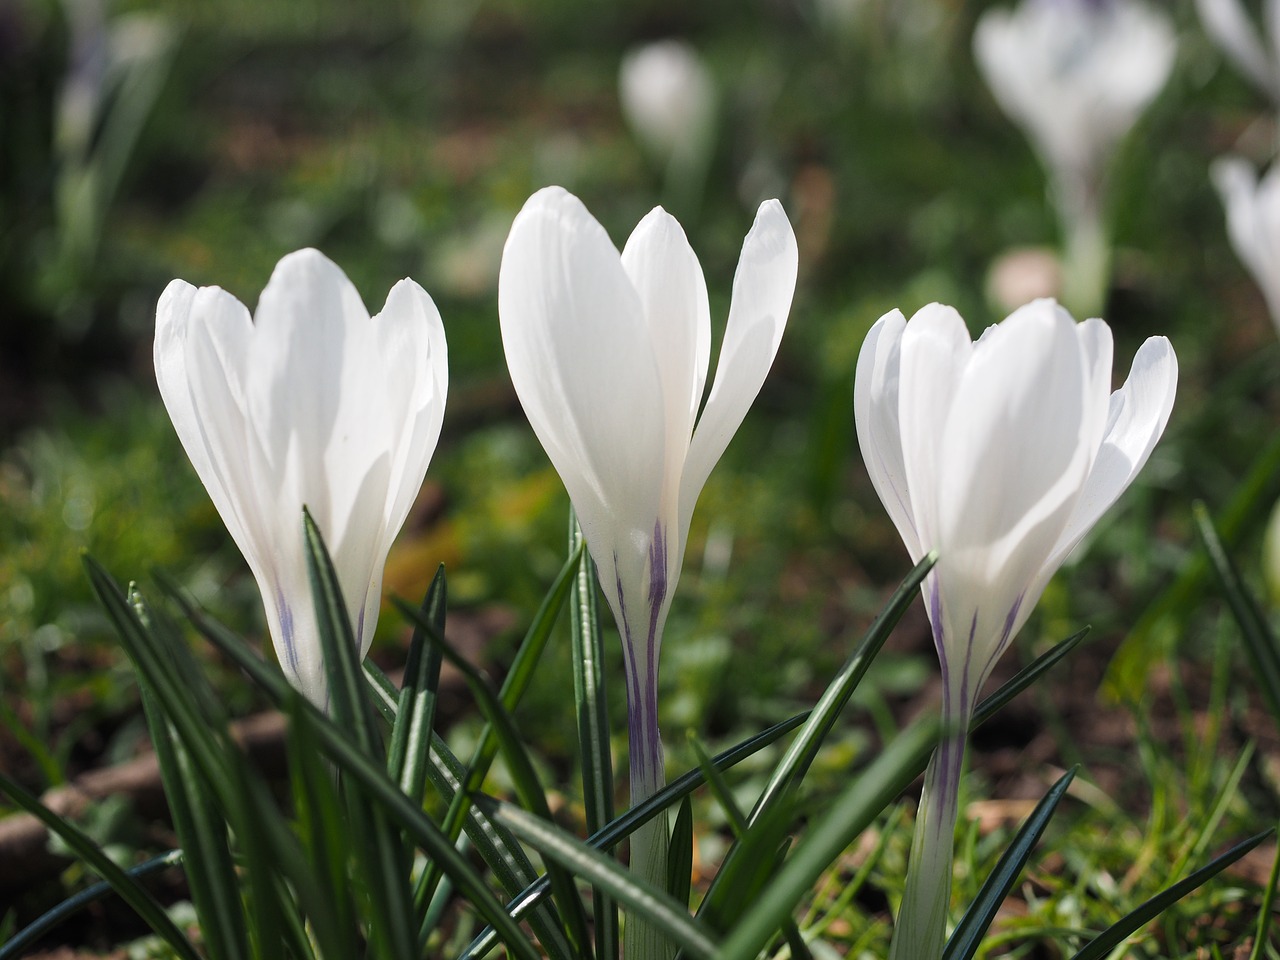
{"points": [[673, 297], [414, 366], [312, 352], [1227, 24], [582, 364], [875, 416], [1012, 463], [935, 349], [209, 377], [1138, 414], [763, 286]]}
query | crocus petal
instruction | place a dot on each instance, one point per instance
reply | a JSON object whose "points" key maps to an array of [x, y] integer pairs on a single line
{"points": [[1012, 461], [581, 360], [875, 416], [414, 362], [668, 279], [182, 307], [935, 349], [1137, 417], [763, 286]]}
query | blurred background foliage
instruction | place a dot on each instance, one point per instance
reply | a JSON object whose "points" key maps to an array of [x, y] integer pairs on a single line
{"points": [[144, 140]]}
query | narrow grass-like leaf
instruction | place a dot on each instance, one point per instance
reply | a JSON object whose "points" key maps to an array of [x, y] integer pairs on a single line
{"points": [[1259, 639], [795, 763], [523, 775], [156, 665], [851, 813], [384, 867], [202, 827], [1264, 911], [1102, 945], [126, 887], [988, 707], [680, 854], [408, 754], [592, 710], [967, 936], [656, 906], [200, 822], [513, 688], [618, 830], [14, 946], [337, 744], [1128, 671], [500, 850], [321, 827], [756, 855]]}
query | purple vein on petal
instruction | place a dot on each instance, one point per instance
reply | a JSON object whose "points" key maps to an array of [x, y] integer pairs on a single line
{"points": [[286, 629]]}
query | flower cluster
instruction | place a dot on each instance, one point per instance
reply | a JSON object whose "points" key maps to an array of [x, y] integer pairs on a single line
{"points": [[999, 454]]}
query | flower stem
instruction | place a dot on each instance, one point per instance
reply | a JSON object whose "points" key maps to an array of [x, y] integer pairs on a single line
{"points": [[922, 919], [642, 940], [1086, 260]]}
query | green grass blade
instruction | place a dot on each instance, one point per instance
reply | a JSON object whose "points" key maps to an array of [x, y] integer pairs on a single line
{"points": [[1264, 911], [322, 829], [338, 746], [1102, 945], [14, 946], [202, 829], [1259, 640], [383, 867], [1127, 673], [591, 701], [204, 740], [126, 887], [587, 862], [200, 822], [967, 936], [795, 763], [618, 830], [520, 767], [513, 688], [851, 813], [680, 854], [990, 706], [500, 850], [407, 757]]}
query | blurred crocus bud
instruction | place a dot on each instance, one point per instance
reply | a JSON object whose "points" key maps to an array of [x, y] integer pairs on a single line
{"points": [[1229, 26], [1253, 222], [312, 403], [669, 99], [1076, 75]]}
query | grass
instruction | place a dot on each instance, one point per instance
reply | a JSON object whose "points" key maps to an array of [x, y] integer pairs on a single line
{"points": [[402, 144]]}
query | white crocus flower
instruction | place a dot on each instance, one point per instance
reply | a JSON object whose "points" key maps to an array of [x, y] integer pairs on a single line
{"points": [[1076, 75], [1000, 455], [670, 101], [1229, 26], [312, 403], [1253, 222], [608, 353]]}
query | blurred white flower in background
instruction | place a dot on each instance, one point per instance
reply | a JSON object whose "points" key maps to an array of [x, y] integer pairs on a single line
{"points": [[1229, 26], [670, 100], [1076, 75], [1253, 222]]}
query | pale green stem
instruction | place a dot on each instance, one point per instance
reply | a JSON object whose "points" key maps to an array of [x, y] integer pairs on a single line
{"points": [[921, 927], [640, 939], [1086, 255]]}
